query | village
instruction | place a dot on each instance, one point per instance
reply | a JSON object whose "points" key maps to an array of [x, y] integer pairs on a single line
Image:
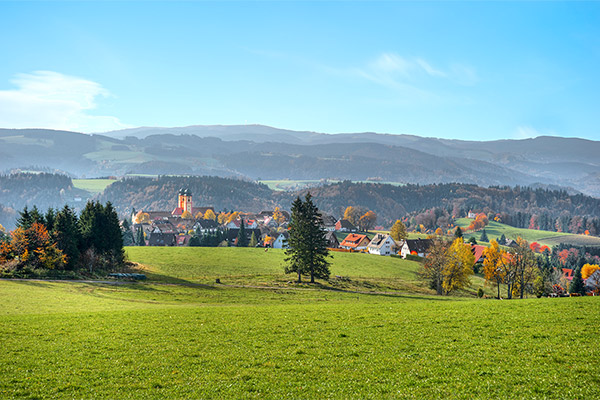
{"points": [[268, 229]]}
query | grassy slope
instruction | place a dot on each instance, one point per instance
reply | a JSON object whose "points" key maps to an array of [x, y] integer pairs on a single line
{"points": [[92, 185], [255, 267], [494, 230], [74, 340]]}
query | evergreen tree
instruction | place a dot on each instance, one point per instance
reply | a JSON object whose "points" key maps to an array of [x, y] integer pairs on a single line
{"points": [[502, 240], [49, 219], [307, 245], [67, 236], [577, 285], [242, 237], [253, 241], [128, 239], [194, 241], [139, 237], [472, 240], [484, 237], [24, 221], [458, 233]]}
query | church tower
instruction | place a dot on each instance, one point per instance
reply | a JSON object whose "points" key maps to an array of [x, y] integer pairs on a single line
{"points": [[185, 201]]}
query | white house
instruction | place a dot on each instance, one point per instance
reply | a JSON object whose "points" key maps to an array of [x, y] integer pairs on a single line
{"points": [[279, 242], [418, 246], [382, 245]]}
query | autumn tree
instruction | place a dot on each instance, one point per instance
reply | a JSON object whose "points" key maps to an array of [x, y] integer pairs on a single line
{"points": [[186, 215], [199, 215], [524, 268], [493, 264], [278, 216], [142, 218], [307, 245], [367, 221], [398, 231], [588, 269], [433, 268], [34, 248], [439, 232], [352, 214], [458, 267], [210, 214], [222, 218]]}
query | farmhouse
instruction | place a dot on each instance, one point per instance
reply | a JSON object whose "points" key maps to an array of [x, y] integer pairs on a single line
{"points": [[332, 240], [355, 241], [382, 245], [415, 246], [343, 225], [478, 250], [280, 241]]}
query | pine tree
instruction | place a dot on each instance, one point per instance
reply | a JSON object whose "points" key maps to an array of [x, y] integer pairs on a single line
{"points": [[24, 221], [128, 239], [577, 285], [472, 240], [502, 240], [139, 237], [242, 237], [49, 219], [484, 237], [307, 245], [253, 241], [458, 233], [67, 236]]}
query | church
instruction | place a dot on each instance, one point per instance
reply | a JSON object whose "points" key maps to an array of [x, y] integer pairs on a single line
{"points": [[184, 204]]}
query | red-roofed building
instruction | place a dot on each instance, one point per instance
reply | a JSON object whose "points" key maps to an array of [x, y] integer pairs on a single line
{"points": [[478, 250], [354, 241], [568, 273]]}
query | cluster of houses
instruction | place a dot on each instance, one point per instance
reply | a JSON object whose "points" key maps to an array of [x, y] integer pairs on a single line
{"points": [[177, 227]]}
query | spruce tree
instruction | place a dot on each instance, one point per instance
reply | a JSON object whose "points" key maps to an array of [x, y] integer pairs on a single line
{"points": [[307, 244], [139, 237], [502, 240], [24, 221], [67, 235], [253, 241], [50, 219], [128, 239], [242, 237], [458, 233], [484, 237], [577, 285]]}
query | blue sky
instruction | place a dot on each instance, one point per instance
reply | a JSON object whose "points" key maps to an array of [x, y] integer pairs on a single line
{"points": [[463, 70]]}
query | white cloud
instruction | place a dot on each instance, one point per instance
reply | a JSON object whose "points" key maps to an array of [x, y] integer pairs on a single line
{"points": [[46, 99], [526, 132], [412, 73]]}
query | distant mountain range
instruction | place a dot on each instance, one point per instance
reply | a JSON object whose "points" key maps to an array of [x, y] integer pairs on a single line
{"points": [[256, 151]]}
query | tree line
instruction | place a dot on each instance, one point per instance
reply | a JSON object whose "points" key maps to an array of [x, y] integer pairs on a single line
{"points": [[63, 240]]}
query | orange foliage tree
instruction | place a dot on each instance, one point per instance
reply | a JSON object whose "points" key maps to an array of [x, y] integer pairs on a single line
{"points": [[479, 222], [588, 269], [33, 248]]}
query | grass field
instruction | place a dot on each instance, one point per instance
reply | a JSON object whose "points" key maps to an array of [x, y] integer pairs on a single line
{"points": [[143, 341], [248, 266], [93, 186], [495, 229]]}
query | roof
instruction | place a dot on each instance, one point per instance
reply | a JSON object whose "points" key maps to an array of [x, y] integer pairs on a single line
{"points": [[344, 223], [177, 211], [378, 241], [478, 250], [353, 240], [161, 239], [418, 245], [185, 192], [207, 224]]}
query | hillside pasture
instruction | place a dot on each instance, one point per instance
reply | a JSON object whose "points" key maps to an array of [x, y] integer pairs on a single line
{"points": [[93, 186], [144, 341], [495, 230], [256, 267]]}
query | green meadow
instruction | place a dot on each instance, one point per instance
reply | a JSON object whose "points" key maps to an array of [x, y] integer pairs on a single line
{"points": [[93, 186], [495, 229], [181, 335]]}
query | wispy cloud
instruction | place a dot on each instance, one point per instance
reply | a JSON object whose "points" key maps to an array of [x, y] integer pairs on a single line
{"points": [[414, 74], [46, 99], [526, 132]]}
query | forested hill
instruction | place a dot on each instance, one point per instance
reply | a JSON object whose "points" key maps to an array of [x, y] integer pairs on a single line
{"points": [[391, 201], [157, 194], [388, 201]]}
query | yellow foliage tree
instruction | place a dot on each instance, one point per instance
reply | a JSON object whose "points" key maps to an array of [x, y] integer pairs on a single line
{"points": [[142, 218], [352, 214], [186, 215], [209, 214], [222, 218], [523, 267], [233, 216], [278, 216], [398, 231], [458, 266], [199, 215], [439, 232], [588, 269], [367, 221], [493, 264]]}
